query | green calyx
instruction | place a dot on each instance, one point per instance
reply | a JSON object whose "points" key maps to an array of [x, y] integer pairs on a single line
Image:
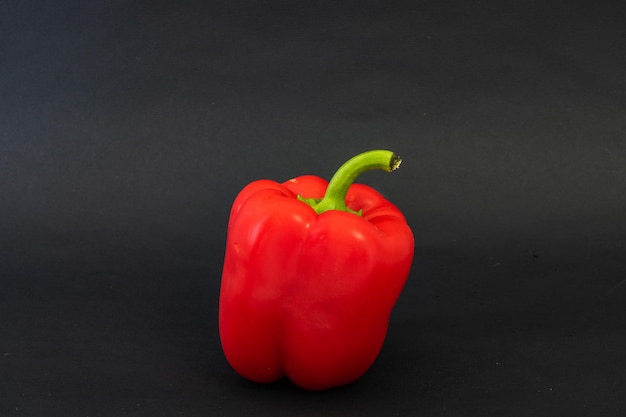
{"points": [[335, 196]]}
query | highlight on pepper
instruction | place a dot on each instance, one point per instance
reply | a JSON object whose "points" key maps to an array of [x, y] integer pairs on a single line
{"points": [[312, 271]]}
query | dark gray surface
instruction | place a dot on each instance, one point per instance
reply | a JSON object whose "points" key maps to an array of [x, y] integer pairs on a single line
{"points": [[128, 127]]}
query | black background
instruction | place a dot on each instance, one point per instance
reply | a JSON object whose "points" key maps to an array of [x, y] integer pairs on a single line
{"points": [[128, 127]]}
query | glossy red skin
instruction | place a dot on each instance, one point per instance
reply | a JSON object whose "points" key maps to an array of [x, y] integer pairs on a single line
{"points": [[309, 296]]}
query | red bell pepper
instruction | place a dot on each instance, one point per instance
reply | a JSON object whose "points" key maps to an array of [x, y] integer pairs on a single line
{"points": [[312, 271]]}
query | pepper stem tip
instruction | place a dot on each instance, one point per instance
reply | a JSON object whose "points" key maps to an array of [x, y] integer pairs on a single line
{"points": [[395, 162]]}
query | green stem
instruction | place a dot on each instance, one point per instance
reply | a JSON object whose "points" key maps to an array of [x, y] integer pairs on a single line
{"points": [[335, 196]]}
